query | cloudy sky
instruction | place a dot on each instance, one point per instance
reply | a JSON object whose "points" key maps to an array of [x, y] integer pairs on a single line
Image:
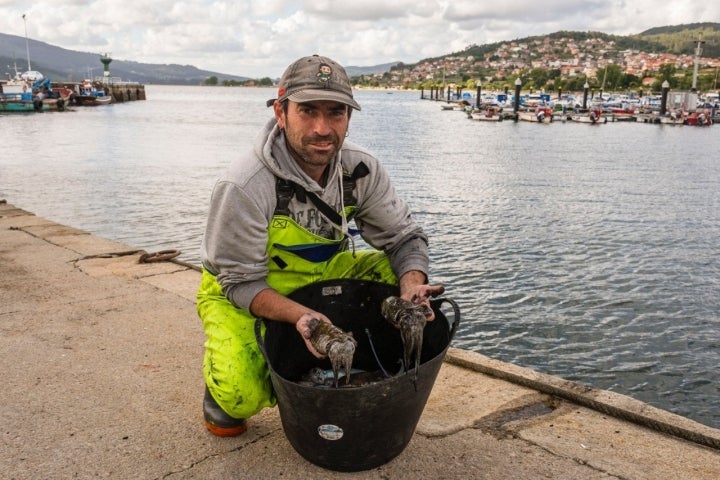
{"points": [[260, 38]]}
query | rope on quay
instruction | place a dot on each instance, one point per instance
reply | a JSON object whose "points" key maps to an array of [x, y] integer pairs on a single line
{"points": [[166, 256], [580, 395], [161, 256], [146, 257], [110, 254]]}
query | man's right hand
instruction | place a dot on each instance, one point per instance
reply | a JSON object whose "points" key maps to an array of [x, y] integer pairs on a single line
{"points": [[272, 305], [304, 326]]}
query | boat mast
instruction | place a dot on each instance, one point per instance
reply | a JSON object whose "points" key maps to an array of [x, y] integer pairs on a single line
{"points": [[698, 52], [27, 45]]}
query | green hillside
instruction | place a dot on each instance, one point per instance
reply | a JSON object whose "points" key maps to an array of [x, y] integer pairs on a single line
{"points": [[677, 39], [680, 39]]}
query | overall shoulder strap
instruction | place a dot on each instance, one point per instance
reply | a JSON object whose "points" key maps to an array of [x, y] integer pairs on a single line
{"points": [[349, 182], [284, 192], [286, 189]]}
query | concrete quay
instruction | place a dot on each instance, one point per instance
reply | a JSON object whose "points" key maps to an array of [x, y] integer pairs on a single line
{"points": [[102, 378]]}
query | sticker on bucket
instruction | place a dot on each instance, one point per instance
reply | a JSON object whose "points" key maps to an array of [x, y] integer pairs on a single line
{"points": [[332, 290], [330, 432]]}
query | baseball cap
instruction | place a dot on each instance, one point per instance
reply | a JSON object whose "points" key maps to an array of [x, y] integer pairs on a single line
{"points": [[315, 78]]}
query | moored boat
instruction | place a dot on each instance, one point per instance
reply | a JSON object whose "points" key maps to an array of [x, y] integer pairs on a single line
{"points": [[92, 100], [622, 114], [489, 114], [700, 118], [89, 96], [462, 105], [54, 98], [30, 92], [18, 94], [542, 114], [19, 103], [672, 118], [594, 117]]}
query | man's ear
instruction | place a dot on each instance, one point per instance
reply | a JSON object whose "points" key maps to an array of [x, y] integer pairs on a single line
{"points": [[279, 114]]}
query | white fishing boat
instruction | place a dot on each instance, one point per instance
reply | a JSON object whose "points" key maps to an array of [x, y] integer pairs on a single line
{"points": [[541, 114], [489, 114], [594, 116]]}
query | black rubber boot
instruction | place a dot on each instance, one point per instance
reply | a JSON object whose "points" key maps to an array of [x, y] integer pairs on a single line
{"points": [[218, 422]]}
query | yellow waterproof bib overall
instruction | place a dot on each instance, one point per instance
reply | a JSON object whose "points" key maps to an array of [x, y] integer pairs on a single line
{"points": [[234, 368]]}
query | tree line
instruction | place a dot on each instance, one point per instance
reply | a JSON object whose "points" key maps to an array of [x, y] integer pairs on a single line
{"points": [[609, 78], [250, 82]]}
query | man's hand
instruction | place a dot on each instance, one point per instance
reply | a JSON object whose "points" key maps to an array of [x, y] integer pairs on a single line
{"points": [[271, 305], [305, 325], [414, 289]]}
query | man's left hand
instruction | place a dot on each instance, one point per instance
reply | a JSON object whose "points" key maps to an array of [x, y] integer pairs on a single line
{"points": [[415, 290]]}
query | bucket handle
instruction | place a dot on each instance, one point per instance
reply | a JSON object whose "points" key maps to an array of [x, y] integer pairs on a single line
{"points": [[259, 339], [437, 302]]}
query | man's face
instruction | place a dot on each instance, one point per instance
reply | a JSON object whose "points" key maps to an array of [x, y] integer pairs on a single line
{"points": [[314, 131]]}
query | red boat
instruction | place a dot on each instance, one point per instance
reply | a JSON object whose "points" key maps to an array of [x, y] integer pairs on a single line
{"points": [[699, 118]]}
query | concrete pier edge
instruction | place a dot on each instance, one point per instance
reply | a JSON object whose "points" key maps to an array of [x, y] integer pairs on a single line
{"points": [[610, 403]]}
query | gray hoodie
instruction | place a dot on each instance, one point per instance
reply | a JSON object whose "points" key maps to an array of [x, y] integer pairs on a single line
{"points": [[243, 202]]}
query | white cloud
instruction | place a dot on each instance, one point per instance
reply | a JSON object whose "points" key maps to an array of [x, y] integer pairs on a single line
{"points": [[353, 10], [259, 38]]}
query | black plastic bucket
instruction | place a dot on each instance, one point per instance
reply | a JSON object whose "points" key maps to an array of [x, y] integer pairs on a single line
{"points": [[354, 428]]}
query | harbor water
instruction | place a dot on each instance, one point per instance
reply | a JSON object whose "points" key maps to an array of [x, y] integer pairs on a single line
{"points": [[589, 252]]}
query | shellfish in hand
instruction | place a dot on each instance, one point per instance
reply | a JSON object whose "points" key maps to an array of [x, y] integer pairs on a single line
{"points": [[338, 345], [410, 318]]}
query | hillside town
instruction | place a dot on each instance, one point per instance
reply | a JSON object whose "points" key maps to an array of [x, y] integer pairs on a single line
{"points": [[562, 57]]}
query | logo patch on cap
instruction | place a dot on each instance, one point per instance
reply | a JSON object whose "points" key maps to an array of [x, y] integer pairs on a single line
{"points": [[324, 73]]}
